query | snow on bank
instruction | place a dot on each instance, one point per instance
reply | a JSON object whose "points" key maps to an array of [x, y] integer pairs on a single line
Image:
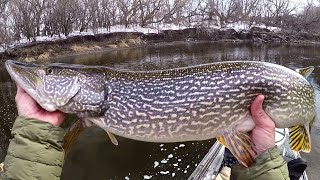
{"points": [[153, 28], [239, 26]]}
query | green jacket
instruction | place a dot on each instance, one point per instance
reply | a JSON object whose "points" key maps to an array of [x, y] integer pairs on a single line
{"points": [[268, 166], [35, 152]]}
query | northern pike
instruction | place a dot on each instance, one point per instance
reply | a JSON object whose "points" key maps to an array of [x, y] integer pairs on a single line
{"points": [[175, 105]]}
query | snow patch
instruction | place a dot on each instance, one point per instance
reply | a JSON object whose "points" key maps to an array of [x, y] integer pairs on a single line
{"points": [[170, 156], [271, 28], [164, 161], [164, 172], [156, 163], [239, 26], [182, 145], [147, 177]]}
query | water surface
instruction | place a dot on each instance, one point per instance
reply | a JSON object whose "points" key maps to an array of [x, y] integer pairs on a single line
{"points": [[94, 156]]}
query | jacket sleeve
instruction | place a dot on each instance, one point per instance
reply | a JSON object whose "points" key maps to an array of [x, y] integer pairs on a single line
{"points": [[35, 152], [269, 165]]}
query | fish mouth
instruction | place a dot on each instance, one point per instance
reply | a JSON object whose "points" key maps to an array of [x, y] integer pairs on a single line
{"points": [[24, 75]]}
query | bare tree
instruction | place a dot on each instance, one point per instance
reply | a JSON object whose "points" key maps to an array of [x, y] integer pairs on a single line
{"points": [[66, 12], [309, 20], [5, 33], [157, 11], [276, 10], [87, 11], [107, 13], [256, 16], [3, 4], [39, 7], [222, 11], [127, 11], [51, 19], [172, 12], [191, 10], [148, 10], [27, 17], [248, 8], [24, 18]]}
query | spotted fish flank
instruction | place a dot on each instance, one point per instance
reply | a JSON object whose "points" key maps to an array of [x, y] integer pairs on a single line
{"points": [[183, 104]]}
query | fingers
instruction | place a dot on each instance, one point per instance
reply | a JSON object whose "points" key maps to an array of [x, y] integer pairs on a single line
{"points": [[259, 116]]}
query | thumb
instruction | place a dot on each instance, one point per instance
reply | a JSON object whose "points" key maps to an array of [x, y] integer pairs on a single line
{"points": [[20, 91], [259, 116]]}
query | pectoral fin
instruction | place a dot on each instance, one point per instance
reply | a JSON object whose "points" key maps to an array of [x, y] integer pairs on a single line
{"points": [[97, 121], [241, 146], [300, 138], [72, 135], [112, 138]]}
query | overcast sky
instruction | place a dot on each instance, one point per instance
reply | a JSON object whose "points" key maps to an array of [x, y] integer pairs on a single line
{"points": [[303, 3]]}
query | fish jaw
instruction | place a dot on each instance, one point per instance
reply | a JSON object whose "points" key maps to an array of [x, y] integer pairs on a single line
{"points": [[28, 78]]}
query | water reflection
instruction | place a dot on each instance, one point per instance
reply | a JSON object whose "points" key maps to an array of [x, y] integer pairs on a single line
{"points": [[94, 157]]}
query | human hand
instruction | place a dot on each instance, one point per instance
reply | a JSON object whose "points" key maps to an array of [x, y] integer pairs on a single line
{"points": [[28, 107], [263, 134]]}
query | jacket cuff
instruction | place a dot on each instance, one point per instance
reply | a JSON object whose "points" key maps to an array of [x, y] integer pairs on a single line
{"points": [[270, 154], [268, 165], [35, 150], [30, 130]]}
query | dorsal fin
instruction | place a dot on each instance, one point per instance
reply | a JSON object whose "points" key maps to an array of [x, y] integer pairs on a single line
{"points": [[305, 72]]}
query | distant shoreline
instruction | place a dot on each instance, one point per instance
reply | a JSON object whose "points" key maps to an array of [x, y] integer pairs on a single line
{"points": [[77, 45]]}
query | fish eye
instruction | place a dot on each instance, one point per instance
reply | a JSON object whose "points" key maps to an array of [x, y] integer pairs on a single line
{"points": [[49, 71]]}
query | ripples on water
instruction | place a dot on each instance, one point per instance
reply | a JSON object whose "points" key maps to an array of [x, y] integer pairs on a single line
{"points": [[94, 157]]}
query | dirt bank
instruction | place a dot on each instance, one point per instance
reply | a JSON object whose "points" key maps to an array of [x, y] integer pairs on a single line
{"points": [[101, 42]]}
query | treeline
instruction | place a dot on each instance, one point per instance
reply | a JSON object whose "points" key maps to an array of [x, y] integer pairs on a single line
{"points": [[31, 18]]}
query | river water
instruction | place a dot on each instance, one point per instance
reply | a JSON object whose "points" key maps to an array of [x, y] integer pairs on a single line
{"points": [[94, 157]]}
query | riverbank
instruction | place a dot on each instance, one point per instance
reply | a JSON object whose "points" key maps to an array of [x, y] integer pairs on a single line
{"points": [[43, 51]]}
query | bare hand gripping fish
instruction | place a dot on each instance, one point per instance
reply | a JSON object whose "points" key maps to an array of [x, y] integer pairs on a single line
{"points": [[183, 104]]}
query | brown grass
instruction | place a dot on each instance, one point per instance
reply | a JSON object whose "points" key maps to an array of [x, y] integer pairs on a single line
{"points": [[84, 48]]}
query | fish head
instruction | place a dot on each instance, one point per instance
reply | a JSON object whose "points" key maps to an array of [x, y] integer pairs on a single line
{"points": [[68, 88]]}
